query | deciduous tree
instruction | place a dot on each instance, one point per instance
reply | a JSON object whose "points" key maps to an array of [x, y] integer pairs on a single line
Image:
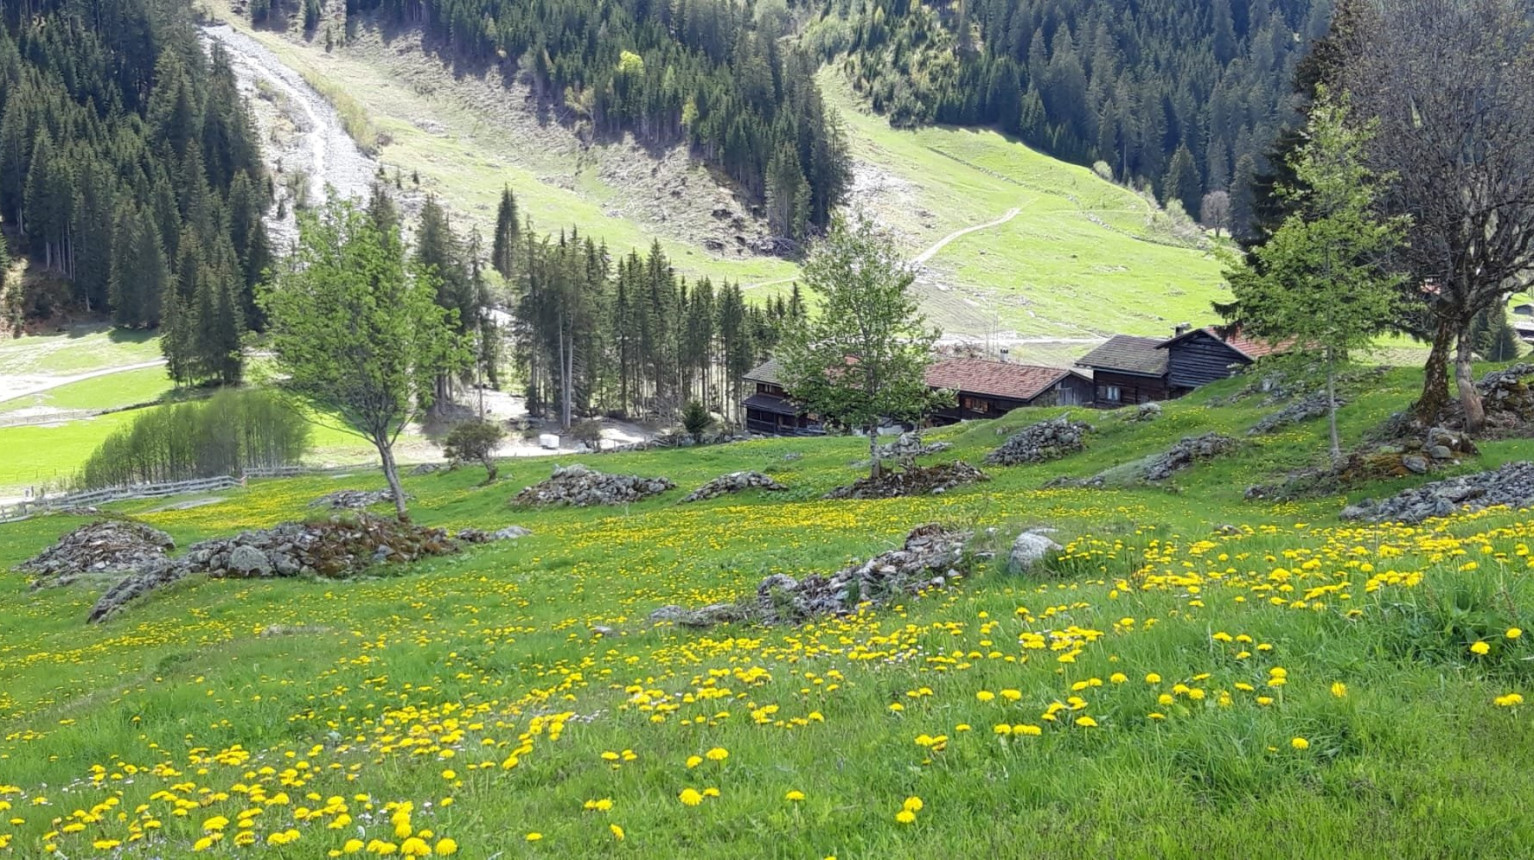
{"points": [[357, 332], [863, 358]]}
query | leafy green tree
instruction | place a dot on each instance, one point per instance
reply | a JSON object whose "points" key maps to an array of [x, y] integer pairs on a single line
{"points": [[357, 332], [863, 358], [1319, 282]]}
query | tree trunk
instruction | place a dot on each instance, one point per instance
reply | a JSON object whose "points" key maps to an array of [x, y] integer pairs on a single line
{"points": [[875, 467], [1331, 410], [1435, 377], [1464, 377], [490, 469], [391, 474]]}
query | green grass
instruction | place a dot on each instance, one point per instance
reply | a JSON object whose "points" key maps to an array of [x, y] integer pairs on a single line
{"points": [[48, 456], [128, 388], [421, 683], [82, 349], [1081, 258]]}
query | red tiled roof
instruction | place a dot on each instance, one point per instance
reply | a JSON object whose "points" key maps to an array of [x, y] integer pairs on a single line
{"points": [[994, 378], [1236, 340], [1247, 346]]}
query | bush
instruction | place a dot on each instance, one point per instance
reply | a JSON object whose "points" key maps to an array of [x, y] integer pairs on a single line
{"points": [[475, 440], [235, 431], [589, 432]]}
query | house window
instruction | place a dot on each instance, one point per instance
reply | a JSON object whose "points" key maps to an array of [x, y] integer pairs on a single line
{"points": [[976, 404], [1110, 393]]}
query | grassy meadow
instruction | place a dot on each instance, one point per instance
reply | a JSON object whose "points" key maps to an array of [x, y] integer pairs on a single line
{"points": [[1196, 676]]}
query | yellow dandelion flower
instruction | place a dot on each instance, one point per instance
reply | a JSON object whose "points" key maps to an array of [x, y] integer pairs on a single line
{"points": [[1480, 648], [794, 795], [905, 816], [1299, 743]]}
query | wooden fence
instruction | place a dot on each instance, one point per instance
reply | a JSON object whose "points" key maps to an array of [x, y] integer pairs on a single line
{"points": [[91, 498]]}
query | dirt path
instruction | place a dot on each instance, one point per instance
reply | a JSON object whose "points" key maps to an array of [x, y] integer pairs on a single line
{"points": [[924, 256], [16, 387], [300, 130]]}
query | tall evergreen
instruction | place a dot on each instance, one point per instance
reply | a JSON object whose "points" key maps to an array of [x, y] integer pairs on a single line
{"points": [[503, 250]]}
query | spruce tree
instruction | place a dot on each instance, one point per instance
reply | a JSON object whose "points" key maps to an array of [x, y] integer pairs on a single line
{"points": [[503, 249]]}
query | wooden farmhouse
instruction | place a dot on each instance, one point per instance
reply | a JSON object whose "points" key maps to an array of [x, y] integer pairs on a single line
{"points": [[987, 389], [1130, 370], [768, 409], [983, 389]]}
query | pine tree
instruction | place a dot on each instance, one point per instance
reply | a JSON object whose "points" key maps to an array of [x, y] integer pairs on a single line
{"points": [[1182, 182], [504, 246]]}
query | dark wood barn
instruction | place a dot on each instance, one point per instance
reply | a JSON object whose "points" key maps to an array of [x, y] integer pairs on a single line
{"points": [[1127, 370], [768, 409], [1204, 355]]}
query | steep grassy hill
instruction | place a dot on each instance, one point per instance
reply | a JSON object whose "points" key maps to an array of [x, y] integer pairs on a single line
{"points": [[1195, 675], [1082, 257]]}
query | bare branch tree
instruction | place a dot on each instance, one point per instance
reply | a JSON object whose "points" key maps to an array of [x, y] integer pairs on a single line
{"points": [[1452, 83]]}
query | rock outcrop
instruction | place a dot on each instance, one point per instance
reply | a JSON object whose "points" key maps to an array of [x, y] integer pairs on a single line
{"points": [[735, 482], [104, 546], [931, 557], [482, 536], [1191, 450], [354, 500], [1041, 442], [1030, 548], [577, 486], [915, 481], [338, 548], [1299, 411], [1511, 485]]}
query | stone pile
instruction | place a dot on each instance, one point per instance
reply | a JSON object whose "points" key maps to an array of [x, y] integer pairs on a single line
{"points": [[908, 446], [931, 557], [1508, 399], [915, 481], [577, 486], [1299, 411], [1145, 412], [482, 536], [354, 500], [104, 546], [1191, 450], [337, 548], [1511, 485], [1041, 442], [735, 482]]}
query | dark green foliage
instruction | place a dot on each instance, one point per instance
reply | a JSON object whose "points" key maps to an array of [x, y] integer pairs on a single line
{"points": [[1495, 339], [629, 337], [118, 137], [1128, 84], [235, 431], [503, 250], [699, 72], [475, 441], [696, 420]]}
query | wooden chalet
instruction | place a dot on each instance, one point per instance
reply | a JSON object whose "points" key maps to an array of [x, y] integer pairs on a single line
{"points": [[1127, 370], [768, 409], [1131, 370], [1523, 322], [1204, 355], [987, 389]]}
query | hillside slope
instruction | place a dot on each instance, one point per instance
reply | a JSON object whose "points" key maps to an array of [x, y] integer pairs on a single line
{"points": [[1081, 259], [1194, 669]]}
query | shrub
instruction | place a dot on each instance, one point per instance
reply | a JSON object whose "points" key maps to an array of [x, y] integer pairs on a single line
{"points": [[235, 431], [696, 419], [475, 440]]}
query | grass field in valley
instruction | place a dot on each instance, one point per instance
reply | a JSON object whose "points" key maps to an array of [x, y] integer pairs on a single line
{"points": [[1286, 686]]}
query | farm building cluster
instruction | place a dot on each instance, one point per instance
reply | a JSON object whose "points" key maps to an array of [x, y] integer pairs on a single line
{"points": [[1124, 371]]}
